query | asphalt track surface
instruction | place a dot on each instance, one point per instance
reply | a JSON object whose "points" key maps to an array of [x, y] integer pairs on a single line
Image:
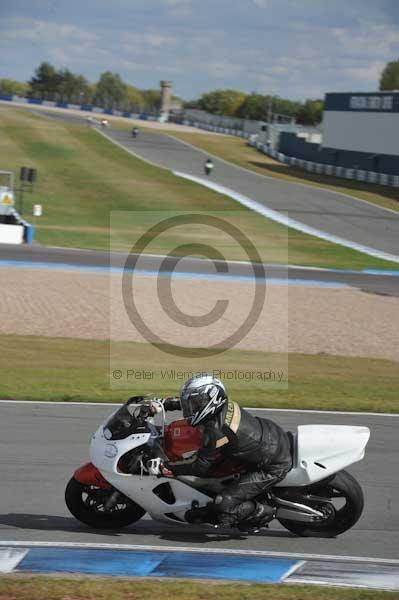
{"points": [[380, 283], [325, 210], [42, 444]]}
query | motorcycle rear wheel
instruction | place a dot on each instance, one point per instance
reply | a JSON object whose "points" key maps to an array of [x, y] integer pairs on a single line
{"points": [[87, 504], [343, 486]]}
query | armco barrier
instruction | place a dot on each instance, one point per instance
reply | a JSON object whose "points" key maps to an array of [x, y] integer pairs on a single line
{"points": [[326, 169], [329, 169], [80, 107], [372, 177]]}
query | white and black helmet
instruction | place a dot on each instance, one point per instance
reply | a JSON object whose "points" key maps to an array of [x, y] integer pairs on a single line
{"points": [[202, 397]]}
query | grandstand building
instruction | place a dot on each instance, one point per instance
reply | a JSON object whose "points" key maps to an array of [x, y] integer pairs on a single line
{"points": [[359, 131]]}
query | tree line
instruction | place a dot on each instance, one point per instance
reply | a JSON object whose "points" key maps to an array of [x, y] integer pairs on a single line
{"points": [[61, 85], [234, 103], [111, 92]]}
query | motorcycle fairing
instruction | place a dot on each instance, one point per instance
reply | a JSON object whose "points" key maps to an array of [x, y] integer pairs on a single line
{"points": [[88, 474], [323, 450], [106, 455]]}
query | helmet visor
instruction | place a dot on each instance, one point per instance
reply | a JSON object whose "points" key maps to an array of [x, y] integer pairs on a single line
{"points": [[191, 403]]}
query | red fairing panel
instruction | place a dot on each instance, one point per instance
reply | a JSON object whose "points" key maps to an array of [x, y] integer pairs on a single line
{"points": [[88, 474]]}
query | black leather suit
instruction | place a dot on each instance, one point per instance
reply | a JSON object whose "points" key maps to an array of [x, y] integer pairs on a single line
{"points": [[258, 443]]}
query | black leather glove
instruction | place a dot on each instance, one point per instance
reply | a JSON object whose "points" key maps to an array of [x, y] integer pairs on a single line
{"points": [[172, 404]]}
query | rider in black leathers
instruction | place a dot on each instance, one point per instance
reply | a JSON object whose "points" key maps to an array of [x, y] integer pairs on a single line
{"points": [[231, 432]]}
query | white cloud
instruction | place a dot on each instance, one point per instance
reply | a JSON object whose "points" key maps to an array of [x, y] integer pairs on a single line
{"points": [[32, 30], [263, 3], [369, 40], [179, 8], [158, 40], [369, 73], [177, 3], [221, 69]]}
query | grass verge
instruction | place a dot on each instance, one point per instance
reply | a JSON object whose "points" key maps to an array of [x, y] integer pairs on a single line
{"points": [[39, 368], [88, 588], [83, 178], [237, 151]]}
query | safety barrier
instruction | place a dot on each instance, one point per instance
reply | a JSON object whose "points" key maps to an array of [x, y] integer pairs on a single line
{"points": [[16, 230], [311, 167], [323, 169], [83, 107]]}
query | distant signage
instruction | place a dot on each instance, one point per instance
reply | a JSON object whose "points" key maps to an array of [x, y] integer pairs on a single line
{"points": [[37, 210], [371, 102], [381, 102]]}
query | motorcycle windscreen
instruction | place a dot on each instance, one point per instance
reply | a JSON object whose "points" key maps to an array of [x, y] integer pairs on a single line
{"points": [[119, 426], [127, 420]]}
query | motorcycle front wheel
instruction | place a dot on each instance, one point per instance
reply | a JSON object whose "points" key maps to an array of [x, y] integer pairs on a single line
{"points": [[90, 505], [341, 499]]}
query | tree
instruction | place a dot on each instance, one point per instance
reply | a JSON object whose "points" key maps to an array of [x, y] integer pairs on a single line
{"points": [[222, 102], [72, 88], [111, 91], [134, 99], [311, 112], [90, 94], [390, 76], [282, 106], [45, 82], [10, 87], [152, 100], [255, 106], [192, 104]]}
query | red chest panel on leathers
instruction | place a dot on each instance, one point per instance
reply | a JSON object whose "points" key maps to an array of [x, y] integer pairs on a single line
{"points": [[181, 438]]}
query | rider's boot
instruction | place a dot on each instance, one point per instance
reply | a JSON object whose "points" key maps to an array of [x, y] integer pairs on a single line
{"points": [[203, 514], [260, 517], [236, 514]]}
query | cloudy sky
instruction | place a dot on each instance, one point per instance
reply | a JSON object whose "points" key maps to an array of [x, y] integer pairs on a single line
{"points": [[294, 48]]}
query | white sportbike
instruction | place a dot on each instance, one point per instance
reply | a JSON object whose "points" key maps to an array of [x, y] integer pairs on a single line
{"points": [[123, 481]]}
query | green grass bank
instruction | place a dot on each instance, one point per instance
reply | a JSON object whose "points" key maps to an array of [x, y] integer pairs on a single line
{"points": [[83, 178], [40, 368]]}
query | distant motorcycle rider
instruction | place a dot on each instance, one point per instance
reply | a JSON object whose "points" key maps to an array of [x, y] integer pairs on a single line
{"points": [[232, 432], [208, 166]]}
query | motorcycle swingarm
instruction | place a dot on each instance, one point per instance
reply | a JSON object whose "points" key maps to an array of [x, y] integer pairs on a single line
{"points": [[294, 511]]}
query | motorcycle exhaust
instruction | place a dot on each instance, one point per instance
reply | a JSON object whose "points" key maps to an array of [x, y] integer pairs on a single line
{"points": [[295, 511]]}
